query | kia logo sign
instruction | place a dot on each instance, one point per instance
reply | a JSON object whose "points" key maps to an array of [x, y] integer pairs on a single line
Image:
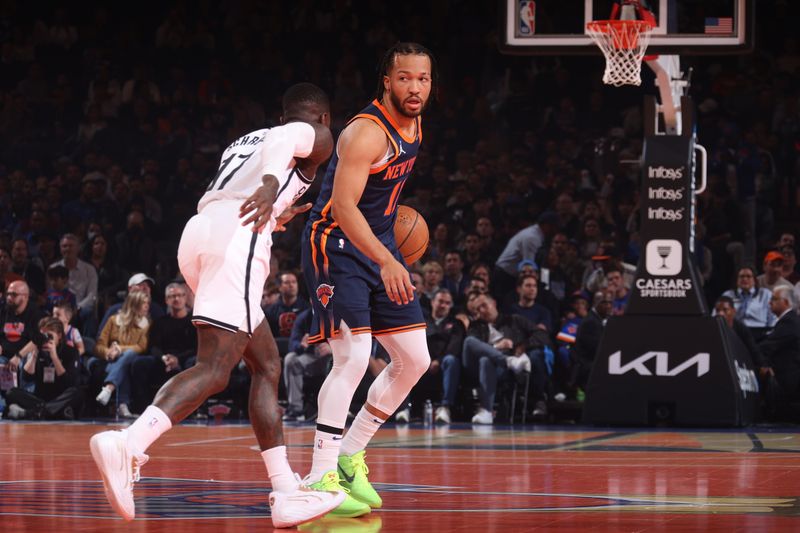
{"points": [[616, 368]]}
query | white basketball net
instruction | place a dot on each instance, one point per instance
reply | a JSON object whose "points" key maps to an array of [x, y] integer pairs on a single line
{"points": [[623, 42]]}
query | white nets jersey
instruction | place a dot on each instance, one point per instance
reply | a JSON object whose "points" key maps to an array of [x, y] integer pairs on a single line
{"points": [[224, 263], [266, 151]]}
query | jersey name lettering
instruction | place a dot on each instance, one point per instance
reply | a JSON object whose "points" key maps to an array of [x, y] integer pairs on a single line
{"points": [[399, 170], [246, 140]]}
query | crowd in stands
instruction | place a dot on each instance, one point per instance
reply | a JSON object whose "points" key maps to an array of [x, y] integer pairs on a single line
{"points": [[112, 121]]}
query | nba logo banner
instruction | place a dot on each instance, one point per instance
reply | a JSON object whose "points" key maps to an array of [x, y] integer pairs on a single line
{"points": [[527, 18]]}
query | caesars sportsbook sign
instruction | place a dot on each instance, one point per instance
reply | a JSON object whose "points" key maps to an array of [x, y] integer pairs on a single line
{"points": [[667, 280], [665, 361]]}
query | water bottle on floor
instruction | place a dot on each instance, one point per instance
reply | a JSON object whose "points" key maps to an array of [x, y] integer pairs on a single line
{"points": [[427, 416]]}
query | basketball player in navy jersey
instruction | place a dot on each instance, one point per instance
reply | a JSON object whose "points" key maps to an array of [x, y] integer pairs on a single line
{"points": [[359, 282], [224, 256]]}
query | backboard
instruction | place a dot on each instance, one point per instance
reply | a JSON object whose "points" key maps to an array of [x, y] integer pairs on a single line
{"points": [[685, 27]]}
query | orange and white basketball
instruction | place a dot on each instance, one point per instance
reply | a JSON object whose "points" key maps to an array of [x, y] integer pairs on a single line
{"points": [[411, 233]]}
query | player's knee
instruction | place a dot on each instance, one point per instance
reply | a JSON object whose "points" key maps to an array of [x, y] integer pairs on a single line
{"points": [[355, 361], [272, 369], [218, 383], [420, 362], [264, 368], [217, 377]]}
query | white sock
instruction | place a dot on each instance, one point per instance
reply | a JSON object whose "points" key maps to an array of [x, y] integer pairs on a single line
{"points": [[360, 433], [278, 469], [326, 453], [147, 428]]}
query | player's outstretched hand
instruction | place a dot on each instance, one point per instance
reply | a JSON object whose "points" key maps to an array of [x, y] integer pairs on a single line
{"points": [[397, 282], [259, 207], [289, 214]]}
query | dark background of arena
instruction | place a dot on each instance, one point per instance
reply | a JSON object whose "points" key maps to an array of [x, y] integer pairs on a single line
{"points": [[206, 72]]}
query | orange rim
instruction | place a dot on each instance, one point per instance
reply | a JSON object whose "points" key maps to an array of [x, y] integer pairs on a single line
{"points": [[624, 34]]}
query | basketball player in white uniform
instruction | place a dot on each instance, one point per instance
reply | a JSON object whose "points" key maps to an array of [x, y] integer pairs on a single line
{"points": [[224, 256]]}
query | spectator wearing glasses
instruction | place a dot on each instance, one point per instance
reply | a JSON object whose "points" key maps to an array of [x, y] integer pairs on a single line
{"points": [[752, 303], [19, 320]]}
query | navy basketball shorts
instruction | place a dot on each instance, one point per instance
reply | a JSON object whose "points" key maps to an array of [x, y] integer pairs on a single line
{"points": [[345, 285]]}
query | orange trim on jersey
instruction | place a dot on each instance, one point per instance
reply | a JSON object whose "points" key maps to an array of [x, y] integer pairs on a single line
{"points": [[401, 329], [419, 128], [393, 198], [357, 331], [397, 199], [391, 120], [323, 217], [322, 243], [396, 149], [316, 338]]}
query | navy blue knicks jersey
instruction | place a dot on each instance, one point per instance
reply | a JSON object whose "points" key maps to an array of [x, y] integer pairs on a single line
{"points": [[344, 283], [387, 177]]}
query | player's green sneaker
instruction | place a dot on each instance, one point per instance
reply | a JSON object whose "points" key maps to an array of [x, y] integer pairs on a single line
{"points": [[350, 507], [353, 471]]}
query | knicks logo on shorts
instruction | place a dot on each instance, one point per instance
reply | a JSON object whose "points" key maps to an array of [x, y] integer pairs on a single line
{"points": [[324, 294]]}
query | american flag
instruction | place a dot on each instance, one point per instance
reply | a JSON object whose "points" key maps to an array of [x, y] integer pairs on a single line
{"points": [[719, 25]]}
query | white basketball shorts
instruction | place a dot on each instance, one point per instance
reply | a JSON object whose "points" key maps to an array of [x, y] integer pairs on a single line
{"points": [[226, 265]]}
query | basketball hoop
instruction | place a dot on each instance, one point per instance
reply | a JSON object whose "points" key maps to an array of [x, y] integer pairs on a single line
{"points": [[624, 43]]}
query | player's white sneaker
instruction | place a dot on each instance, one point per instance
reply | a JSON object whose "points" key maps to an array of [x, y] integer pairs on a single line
{"points": [[119, 468], [302, 505]]}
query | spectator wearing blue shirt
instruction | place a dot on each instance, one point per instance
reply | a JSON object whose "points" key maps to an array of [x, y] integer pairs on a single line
{"points": [[615, 283], [752, 303]]}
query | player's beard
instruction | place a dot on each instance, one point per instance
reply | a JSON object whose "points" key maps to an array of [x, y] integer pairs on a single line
{"points": [[398, 105]]}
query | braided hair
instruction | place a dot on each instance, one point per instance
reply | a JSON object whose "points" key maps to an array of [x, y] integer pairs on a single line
{"points": [[404, 49]]}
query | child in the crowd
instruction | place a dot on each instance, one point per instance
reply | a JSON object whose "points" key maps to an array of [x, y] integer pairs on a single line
{"points": [[57, 279], [64, 311]]}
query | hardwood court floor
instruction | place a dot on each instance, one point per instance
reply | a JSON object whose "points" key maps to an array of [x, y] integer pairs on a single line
{"points": [[210, 478]]}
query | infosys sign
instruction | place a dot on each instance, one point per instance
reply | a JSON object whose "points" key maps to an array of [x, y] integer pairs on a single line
{"points": [[663, 193], [666, 278], [666, 173]]}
